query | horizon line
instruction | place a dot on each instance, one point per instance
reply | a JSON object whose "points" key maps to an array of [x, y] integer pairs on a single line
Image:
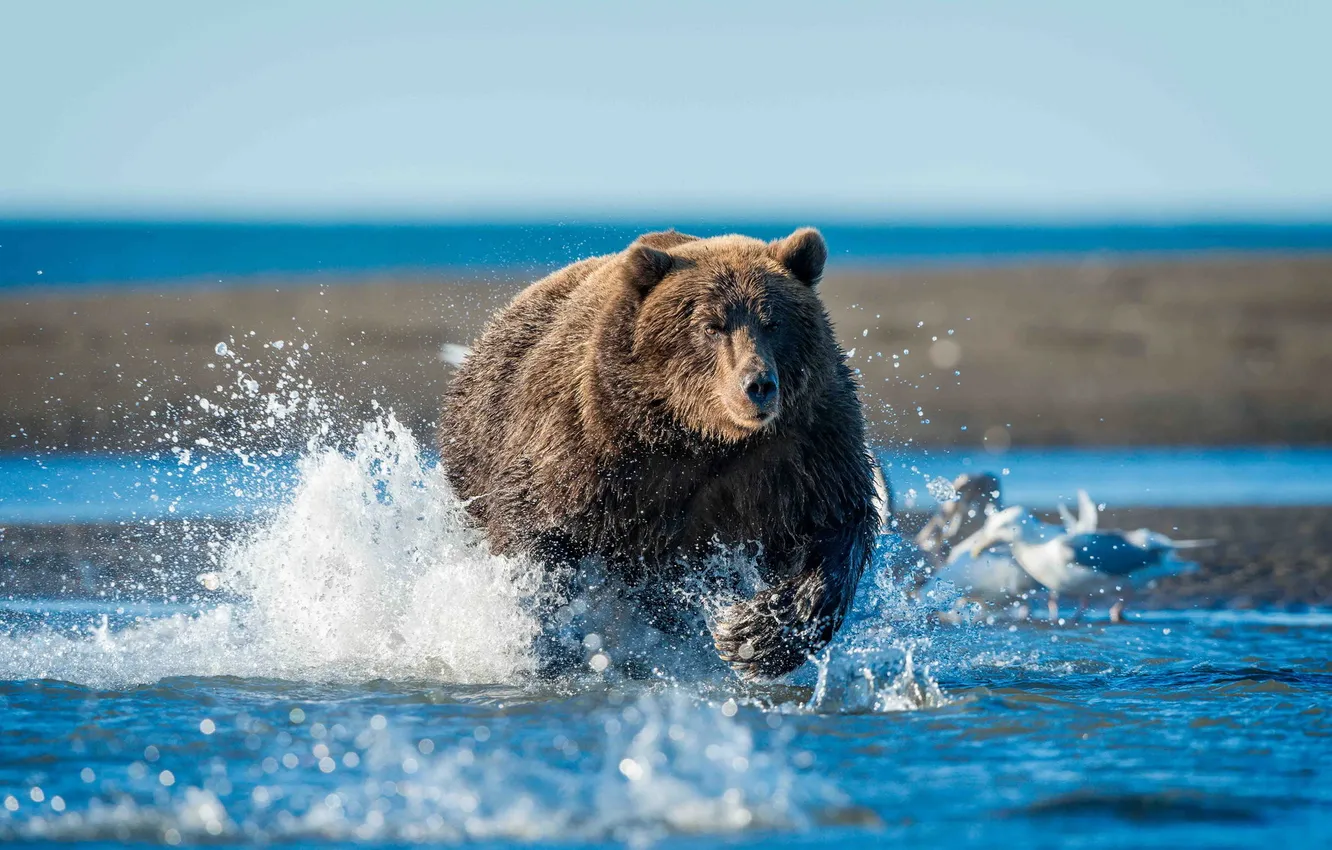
{"points": [[997, 221]]}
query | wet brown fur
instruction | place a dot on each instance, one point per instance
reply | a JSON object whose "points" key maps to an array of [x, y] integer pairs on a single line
{"points": [[598, 415]]}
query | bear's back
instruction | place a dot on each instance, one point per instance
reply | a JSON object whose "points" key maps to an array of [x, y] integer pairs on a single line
{"points": [[521, 365]]}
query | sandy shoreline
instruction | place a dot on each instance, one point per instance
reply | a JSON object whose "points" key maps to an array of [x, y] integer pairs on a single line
{"points": [[1210, 349]]}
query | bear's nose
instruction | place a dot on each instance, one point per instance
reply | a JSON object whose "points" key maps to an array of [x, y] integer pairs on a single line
{"points": [[761, 388]]}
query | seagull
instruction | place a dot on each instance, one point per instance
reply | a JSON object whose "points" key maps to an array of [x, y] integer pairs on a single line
{"points": [[988, 575], [1079, 560], [973, 500], [991, 577]]}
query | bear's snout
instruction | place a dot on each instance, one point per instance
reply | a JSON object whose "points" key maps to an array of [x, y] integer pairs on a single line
{"points": [[757, 395], [761, 388], [750, 389]]}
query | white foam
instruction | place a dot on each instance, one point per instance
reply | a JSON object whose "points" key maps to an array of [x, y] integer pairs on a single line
{"points": [[369, 571]]}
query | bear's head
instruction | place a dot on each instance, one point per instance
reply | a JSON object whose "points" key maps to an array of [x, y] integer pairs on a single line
{"points": [[728, 333]]}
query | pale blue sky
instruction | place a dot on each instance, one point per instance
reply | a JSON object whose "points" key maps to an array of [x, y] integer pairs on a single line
{"points": [[425, 109]]}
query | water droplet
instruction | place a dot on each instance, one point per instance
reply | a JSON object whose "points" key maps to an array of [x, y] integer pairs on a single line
{"points": [[632, 770]]}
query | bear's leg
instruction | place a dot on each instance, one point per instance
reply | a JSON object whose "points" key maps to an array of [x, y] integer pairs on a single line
{"points": [[779, 628], [558, 650]]}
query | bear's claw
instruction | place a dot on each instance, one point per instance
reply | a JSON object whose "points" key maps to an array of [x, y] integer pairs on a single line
{"points": [[764, 637]]}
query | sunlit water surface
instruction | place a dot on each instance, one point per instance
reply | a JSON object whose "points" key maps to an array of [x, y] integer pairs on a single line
{"points": [[1178, 731], [359, 669]]}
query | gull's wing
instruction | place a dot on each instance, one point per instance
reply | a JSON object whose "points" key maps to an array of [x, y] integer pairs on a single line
{"points": [[1087, 514], [965, 546], [1111, 553], [1070, 522], [993, 576], [1148, 539], [1169, 566]]}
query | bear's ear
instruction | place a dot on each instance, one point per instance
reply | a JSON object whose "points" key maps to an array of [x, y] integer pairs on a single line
{"points": [[803, 254], [645, 267], [665, 240]]}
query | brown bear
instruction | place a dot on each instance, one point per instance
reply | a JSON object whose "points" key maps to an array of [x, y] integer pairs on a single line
{"points": [[646, 406]]}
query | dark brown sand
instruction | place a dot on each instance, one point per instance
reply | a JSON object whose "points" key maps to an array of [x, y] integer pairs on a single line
{"points": [[1264, 557], [1204, 350]]}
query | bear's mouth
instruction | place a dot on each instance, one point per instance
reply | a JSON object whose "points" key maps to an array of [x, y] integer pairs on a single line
{"points": [[751, 418]]}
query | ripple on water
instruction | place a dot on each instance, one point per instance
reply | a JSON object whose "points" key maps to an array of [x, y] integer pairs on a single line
{"points": [[629, 767]]}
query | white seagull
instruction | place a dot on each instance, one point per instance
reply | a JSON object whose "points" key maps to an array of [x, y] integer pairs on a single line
{"points": [[988, 575], [973, 500], [992, 577], [1078, 560]]}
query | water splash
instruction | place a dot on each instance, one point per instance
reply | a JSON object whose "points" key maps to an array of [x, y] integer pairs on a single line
{"points": [[368, 571], [362, 565], [372, 569], [872, 665]]}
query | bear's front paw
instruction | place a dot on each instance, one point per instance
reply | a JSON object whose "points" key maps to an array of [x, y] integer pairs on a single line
{"points": [[763, 637]]}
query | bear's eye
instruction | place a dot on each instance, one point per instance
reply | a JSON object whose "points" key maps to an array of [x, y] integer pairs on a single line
{"points": [[712, 331]]}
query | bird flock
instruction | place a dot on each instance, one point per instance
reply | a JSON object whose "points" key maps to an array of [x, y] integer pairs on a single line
{"points": [[981, 553]]}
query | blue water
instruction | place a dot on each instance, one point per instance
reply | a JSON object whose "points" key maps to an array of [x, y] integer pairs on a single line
{"points": [[355, 668], [97, 488], [105, 253], [1179, 730], [351, 666], [1127, 477]]}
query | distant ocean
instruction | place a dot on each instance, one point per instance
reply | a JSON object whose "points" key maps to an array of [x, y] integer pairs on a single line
{"points": [[46, 253]]}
